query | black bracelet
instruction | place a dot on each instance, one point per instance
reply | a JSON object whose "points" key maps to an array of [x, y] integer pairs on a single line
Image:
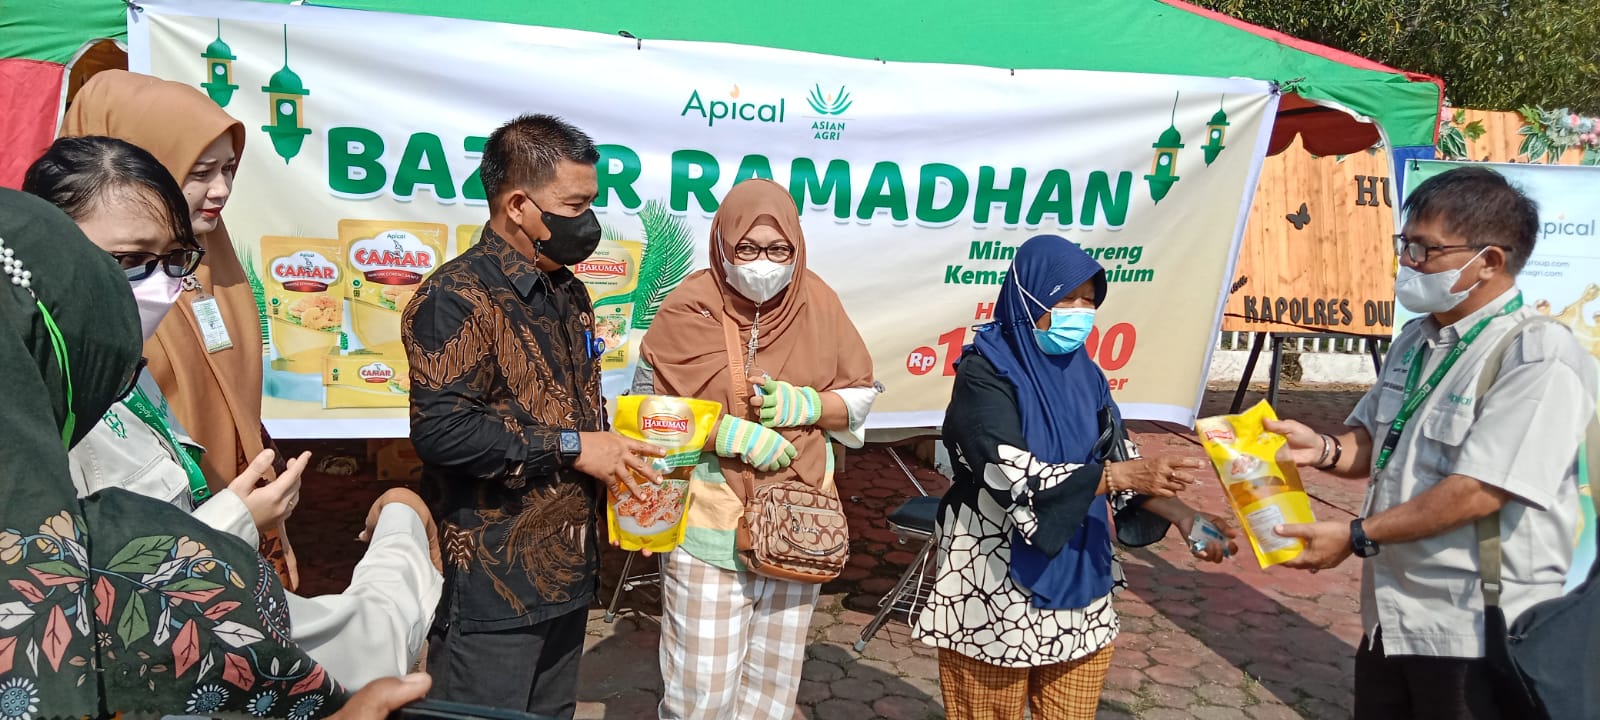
{"points": [[1338, 450]]}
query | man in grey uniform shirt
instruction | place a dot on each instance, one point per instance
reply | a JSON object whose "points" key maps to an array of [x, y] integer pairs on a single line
{"points": [[1441, 458]]}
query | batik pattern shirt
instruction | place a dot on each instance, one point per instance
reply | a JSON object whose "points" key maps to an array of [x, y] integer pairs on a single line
{"points": [[500, 365]]}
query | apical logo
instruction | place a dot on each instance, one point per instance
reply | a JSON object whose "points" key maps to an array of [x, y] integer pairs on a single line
{"points": [[834, 104], [735, 108]]}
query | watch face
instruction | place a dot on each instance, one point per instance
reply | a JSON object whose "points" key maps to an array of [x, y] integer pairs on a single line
{"points": [[570, 445]]}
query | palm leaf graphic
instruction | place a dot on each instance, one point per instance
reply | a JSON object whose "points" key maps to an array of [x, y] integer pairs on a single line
{"points": [[668, 257], [815, 98], [260, 292], [841, 102]]}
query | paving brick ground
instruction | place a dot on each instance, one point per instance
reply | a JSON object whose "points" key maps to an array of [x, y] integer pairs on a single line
{"points": [[1198, 640]]}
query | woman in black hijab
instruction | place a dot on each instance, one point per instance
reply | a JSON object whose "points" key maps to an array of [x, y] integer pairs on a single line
{"points": [[117, 603]]}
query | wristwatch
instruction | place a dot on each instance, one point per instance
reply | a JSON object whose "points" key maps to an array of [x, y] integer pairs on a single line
{"points": [[571, 447], [1359, 543]]}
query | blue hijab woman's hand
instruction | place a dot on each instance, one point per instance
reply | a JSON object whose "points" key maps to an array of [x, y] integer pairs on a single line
{"points": [[1154, 476]]}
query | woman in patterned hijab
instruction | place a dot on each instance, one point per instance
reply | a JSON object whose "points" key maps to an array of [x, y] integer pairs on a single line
{"points": [[114, 603]]}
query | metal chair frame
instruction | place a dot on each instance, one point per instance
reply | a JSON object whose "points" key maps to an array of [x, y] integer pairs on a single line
{"points": [[895, 600], [629, 583], [915, 586]]}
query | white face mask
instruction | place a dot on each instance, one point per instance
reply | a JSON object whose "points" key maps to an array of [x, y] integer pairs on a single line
{"points": [[759, 280], [155, 295], [1430, 292]]}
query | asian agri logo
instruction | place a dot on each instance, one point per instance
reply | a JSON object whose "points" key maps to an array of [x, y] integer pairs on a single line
{"points": [[305, 272], [601, 268], [664, 424], [1562, 227], [376, 373], [392, 258], [826, 124], [735, 108]]}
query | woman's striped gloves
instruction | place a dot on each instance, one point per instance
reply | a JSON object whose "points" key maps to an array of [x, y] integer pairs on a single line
{"points": [[762, 448], [784, 405]]}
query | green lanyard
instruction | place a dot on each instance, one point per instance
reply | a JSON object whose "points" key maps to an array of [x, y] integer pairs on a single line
{"points": [[140, 404], [1416, 395]]}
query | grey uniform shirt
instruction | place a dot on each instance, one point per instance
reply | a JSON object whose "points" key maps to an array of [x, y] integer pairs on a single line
{"points": [[1522, 437]]}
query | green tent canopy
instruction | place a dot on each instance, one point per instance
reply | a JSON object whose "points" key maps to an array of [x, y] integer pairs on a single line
{"points": [[1334, 101]]}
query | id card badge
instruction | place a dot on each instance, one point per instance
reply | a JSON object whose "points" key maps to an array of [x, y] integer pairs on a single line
{"points": [[213, 331]]}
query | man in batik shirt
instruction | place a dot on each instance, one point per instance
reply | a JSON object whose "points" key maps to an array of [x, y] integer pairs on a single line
{"points": [[507, 416]]}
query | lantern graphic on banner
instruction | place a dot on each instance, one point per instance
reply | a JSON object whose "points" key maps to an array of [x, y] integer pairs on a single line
{"points": [[284, 92], [219, 70], [1216, 133], [1164, 171]]}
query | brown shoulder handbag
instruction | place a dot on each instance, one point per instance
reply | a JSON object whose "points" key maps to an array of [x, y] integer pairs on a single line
{"points": [[789, 530]]}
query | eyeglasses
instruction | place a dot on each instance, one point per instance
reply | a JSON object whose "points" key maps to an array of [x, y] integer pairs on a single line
{"points": [[775, 253], [178, 263], [1418, 252], [132, 382]]}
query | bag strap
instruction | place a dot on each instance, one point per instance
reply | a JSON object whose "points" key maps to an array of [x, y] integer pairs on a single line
{"points": [[741, 391], [1488, 528]]}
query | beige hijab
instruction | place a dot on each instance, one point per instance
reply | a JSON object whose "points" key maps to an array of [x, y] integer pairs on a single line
{"points": [[806, 338], [217, 396]]}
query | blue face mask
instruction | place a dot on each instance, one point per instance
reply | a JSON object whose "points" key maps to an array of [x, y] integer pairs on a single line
{"points": [[1069, 328]]}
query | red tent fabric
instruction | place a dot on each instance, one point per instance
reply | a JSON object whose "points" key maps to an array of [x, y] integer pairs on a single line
{"points": [[30, 91]]}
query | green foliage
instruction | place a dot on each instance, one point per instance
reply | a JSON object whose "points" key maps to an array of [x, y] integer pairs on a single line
{"points": [[1453, 136], [668, 259], [259, 291], [1492, 54]]}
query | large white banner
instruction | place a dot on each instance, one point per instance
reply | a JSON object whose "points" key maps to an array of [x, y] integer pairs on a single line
{"points": [[916, 185]]}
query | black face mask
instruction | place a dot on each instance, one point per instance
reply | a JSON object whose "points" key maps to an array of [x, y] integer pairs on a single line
{"points": [[572, 239]]}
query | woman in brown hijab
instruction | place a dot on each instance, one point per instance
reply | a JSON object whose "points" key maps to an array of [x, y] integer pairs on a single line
{"points": [[206, 354], [732, 641]]}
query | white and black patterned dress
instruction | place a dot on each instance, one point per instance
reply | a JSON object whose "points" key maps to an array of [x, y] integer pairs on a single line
{"points": [[976, 608]]}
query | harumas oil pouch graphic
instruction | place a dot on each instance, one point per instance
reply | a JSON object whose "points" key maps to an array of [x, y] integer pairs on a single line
{"points": [[1259, 478], [387, 262], [611, 274], [653, 519], [304, 298], [466, 237]]}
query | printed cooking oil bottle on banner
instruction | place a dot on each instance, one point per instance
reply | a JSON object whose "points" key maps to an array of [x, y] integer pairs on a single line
{"points": [[611, 274], [1260, 479], [388, 261], [304, 300], [466, 237]]}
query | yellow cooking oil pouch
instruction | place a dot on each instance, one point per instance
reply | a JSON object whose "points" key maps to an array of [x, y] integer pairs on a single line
{"points": [[387, 260], [653, 520], [466, 237], [304, 296], [611, 274], [1260, 479], [364, 379]]}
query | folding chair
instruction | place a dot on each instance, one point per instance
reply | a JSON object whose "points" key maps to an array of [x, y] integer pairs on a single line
{"points": [[629, 583], [912, 522]]}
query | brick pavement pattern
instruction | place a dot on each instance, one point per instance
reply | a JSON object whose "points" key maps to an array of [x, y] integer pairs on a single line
{"points": [[1198, 640]]}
